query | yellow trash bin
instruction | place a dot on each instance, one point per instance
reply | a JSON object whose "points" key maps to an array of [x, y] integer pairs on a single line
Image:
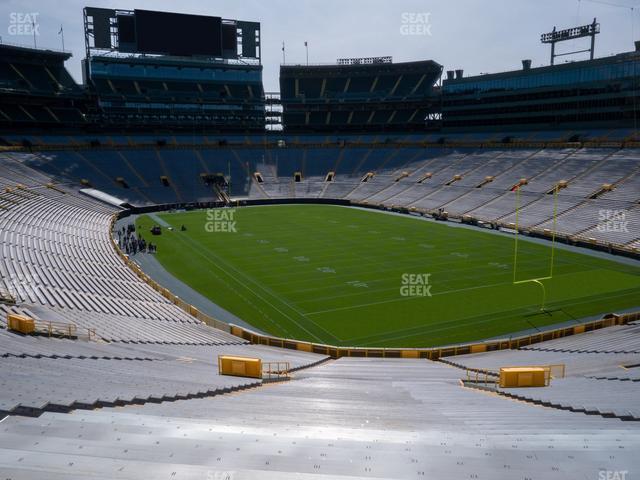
{"points": [[239, 366], [515, 377], [20, 323]]}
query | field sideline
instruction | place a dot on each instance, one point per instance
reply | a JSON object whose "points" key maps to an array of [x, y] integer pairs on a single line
{"points": [[335, 275]]}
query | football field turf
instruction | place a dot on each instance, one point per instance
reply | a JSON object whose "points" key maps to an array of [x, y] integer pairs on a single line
{"points": [[351, 277]]}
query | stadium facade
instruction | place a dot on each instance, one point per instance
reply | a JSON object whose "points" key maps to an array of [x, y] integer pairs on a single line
{"points": [[170, 94], [133, 80], [588, 93], [37, 91], [359, 95]]}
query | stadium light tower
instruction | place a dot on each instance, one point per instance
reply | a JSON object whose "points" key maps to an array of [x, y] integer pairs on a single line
{"points": [[555, 36]]}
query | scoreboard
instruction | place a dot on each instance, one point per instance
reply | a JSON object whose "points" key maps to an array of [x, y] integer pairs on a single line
{"points": [[172, 34], [178, 34]]}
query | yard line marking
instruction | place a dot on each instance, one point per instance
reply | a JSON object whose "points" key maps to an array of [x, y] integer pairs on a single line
{"points": [[472, 320], [402, 299], [219, 267], [268, 272], [446, 292], [248, 278], [399, 269]]}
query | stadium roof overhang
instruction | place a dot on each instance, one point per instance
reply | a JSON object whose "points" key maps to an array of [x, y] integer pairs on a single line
{"points": [[15, 52], [335, 69], [432, 70], [522, 73]]}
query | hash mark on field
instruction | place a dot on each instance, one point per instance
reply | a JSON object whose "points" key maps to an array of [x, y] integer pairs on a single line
{"points": [[357, 284], [264, 242], [460, 255], [425, 245], [301, 259], [399, 239], [247, 234], [326, 270], [499, 265], [281, 249]]}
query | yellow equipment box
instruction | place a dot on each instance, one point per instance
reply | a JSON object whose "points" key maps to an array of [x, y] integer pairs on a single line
{"points": [[513, 377], [20, 323], [240, 366]]}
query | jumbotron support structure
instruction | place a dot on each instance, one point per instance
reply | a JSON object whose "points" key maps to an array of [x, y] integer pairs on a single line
{"points": [[555, 36]]}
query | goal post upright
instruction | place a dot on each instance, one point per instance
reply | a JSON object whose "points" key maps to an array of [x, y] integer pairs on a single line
{"points": [[553, 232], [515, 253], [536, 280]]}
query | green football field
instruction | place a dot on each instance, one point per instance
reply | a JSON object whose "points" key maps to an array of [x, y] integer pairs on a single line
{"points": [[351, 277]]}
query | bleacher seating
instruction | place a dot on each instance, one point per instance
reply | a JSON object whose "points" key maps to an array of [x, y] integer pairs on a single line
{"points": [[478, 183], [57, 261], [147, 389], [599, 371], [48, 374], [622, 339], [131, 389], [355, 417]]}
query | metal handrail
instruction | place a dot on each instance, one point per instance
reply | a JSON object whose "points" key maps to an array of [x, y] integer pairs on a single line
{"points": [[91, 334], [281, 370], [56, 328], [480, 376], [6, 296]]}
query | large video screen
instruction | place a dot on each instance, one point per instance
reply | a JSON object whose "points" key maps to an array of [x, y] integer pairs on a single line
{"points": [[126, 29], [178, 34]]}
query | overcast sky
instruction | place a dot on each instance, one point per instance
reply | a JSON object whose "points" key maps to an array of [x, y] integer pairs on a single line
{"points": [[478, 36]]}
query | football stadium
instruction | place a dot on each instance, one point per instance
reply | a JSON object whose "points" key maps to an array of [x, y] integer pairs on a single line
{"points": [[222, 260]]}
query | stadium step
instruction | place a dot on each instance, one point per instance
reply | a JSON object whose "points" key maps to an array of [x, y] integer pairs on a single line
{"points": [[621, 415], [465, 368], [79, 357], [36, 411], [311, 365], [576, 350]]}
